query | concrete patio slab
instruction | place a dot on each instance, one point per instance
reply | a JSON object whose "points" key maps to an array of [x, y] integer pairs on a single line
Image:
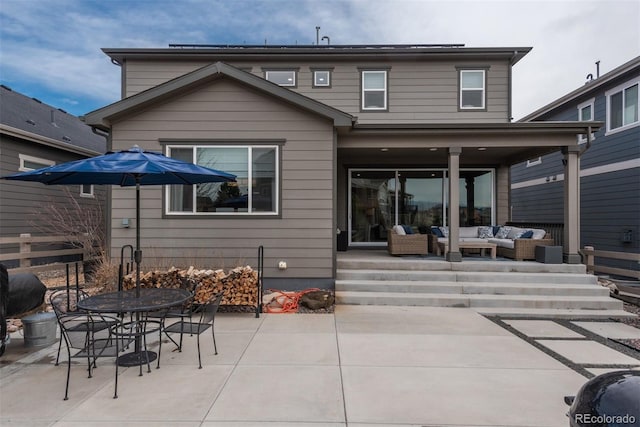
{"points": [[231, 347], [126, 424], [238, 322], [454, 396], [414, 320], [304, 323], [589, 352], [441, 350], [600, 371], [281, 394], [182, 393], [292, 349], [542, 329], [610, 329], [269, 424]]}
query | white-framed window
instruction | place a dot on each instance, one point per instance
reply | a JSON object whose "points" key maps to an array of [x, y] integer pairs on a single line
{"points": [[622, 106], [472, 89], [255, 191], [281, 77], [585, 114], [374, 89], [86, 190], [29, 163], [534, 162], [321, 78]]}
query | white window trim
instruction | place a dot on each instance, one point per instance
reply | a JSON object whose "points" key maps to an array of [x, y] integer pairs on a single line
{"points": [[385, 90], [327, 84], [293, 72], [534, 162], [250, 147], [90, 194], [27, 158], [483, 88], [582, 138], [613, 91]]}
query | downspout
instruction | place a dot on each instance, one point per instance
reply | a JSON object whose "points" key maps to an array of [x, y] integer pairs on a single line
{"points": [[588, 144], [510, 87]]}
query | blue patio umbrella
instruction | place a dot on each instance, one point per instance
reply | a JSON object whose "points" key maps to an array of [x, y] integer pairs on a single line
{"points": [[133, 167]]}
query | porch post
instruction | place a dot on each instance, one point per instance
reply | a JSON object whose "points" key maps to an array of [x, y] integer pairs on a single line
{"points": [[571, 163], [453, 212]]}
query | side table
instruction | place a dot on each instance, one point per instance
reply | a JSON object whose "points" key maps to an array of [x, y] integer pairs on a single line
{"points": [[549, 254]]}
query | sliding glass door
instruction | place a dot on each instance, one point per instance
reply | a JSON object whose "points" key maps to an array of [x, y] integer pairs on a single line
{"points": [[381, 198]]}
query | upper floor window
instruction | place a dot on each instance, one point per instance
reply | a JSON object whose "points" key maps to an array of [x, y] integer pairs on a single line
{"points": [[374, 90], [254, 192], [282, 77], [534, 162], [622, 106], [585, 114], [472, 89], [29, 163], [321, 78]]}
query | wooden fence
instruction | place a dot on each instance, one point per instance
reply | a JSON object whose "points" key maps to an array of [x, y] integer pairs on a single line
{"points": [[34, 247], [590, 254]]}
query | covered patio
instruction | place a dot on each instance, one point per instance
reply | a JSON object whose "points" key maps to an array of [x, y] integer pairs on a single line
{"points": [[452, 157]]}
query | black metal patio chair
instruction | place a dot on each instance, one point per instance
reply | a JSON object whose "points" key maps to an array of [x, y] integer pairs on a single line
{"points": [[205, 312], [86, 335]]}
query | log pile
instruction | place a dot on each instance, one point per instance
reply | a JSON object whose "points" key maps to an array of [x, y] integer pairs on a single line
{"points": [[240, 285]]}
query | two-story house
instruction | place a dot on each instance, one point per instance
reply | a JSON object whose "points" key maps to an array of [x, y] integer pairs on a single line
{"points": [[609, 166], [323, 138]]}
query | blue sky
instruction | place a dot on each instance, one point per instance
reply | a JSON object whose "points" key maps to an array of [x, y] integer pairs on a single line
{"points": [[50, 49]]}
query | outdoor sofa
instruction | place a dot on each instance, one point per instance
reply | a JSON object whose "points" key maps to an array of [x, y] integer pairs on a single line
{"points": [[512, 242], [401, 243]]}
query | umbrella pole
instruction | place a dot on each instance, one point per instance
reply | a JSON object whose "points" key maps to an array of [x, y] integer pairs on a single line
{"points": [[138, 252]]}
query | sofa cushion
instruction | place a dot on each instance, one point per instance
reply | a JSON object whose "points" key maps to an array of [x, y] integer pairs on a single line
{"points": [[503, 232], [527, 234], [399, 230], [443, 240], [466, 232], [503, 243], [485, 232], [538, 233]]}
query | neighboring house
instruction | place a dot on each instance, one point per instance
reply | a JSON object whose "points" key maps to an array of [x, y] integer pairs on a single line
{"points": [[322, 138], [34, 135], [609, 166]]}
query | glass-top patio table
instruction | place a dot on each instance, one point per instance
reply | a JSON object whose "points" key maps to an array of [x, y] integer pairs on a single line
{"points": [[129, 302]]}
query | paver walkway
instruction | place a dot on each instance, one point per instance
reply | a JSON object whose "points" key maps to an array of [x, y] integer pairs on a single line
{"points": [[362, 366]]}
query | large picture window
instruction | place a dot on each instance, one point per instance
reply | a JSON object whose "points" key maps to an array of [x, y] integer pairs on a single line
{"points": [[622, 106], [256, 189]]}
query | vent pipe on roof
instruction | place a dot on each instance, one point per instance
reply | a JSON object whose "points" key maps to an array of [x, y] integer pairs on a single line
{"points": [[328, 39], [317, 35]]}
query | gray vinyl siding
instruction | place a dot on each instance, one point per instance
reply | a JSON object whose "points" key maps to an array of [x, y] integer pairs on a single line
{"points": [[303, 234], [418, 92]]}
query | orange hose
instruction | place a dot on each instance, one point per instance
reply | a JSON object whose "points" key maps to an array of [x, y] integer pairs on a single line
{"points": [[285, 302]]}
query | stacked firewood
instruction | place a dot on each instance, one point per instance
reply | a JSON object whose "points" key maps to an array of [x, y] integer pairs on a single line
{"points": [[240, 285]]}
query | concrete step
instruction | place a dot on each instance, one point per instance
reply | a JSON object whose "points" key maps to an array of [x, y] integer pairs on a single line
{"points": [[545, 313], [472, 277], [478, 300], [404, 263], [471, 288]]}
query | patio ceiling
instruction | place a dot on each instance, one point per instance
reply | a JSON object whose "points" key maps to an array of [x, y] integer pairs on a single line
{"points": [[482, 144]]}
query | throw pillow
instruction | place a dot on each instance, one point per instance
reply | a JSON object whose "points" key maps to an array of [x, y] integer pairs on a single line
{"points": [[399, 230], [527, 234], [485, 232], [503, 232], [407, 229], [515, 233], [445, 231], [496, 228], [436, 232]]}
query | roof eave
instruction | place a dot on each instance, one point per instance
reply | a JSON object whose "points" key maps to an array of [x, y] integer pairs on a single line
{"points": [[22, 134]]}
